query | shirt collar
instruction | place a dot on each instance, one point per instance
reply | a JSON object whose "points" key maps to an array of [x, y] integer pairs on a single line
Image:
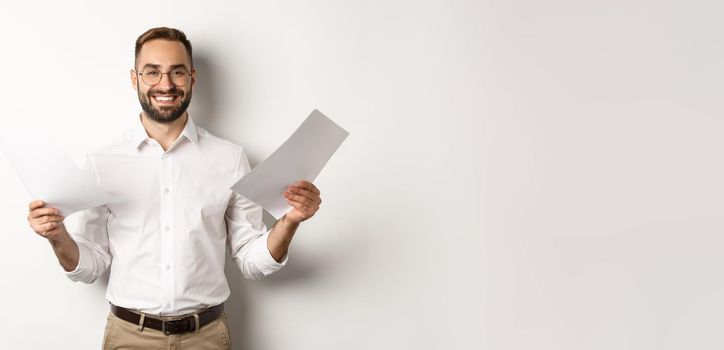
{"points": [[190, 130], [139, 134]]}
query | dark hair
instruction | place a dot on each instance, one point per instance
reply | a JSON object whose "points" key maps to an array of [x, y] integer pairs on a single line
{"points": [[164, 33]]}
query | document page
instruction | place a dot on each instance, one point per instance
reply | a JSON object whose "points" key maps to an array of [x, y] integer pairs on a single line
{"points": [[49, 174], [301, 157]]}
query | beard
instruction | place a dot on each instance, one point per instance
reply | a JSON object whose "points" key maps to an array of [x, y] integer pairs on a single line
{"points": [[164, 114]]}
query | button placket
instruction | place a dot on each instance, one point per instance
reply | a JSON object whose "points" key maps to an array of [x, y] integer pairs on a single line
{"points": [[166, 225]]}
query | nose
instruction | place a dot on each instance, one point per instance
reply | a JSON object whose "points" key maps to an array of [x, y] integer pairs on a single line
{"points": [[165, 82]]}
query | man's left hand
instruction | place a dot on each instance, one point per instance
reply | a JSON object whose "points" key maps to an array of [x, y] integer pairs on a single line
{"points": [[304, 198]]}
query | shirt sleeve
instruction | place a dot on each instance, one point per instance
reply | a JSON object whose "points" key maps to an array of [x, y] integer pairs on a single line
{"points": [[91, 238], [247, 234]]}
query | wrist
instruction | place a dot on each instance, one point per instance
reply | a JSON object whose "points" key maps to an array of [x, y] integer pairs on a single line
{"points": [[285, 222], [59, 239]]}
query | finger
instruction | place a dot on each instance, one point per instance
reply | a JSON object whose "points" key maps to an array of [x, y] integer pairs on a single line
{"points": [[299, 198], [45, 228], [305, 211], [50, 218], [304, 208], [52, 233], [36, 204], [306, 193], [307, 186], [43, 211]]}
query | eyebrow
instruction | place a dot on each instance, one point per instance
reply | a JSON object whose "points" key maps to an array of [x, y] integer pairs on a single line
{"points": [[158, 66]]}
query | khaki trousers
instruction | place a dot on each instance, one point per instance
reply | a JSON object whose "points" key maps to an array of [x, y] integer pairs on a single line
{"points": [[122, 335]]}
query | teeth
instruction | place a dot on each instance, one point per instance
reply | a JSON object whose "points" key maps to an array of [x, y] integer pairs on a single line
{"points": [[164, 98]]}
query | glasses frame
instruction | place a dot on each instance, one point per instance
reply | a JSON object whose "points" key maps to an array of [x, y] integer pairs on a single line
{"points": [[169, 77]]}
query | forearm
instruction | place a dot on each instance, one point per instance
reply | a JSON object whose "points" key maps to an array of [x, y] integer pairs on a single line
{"points": [[280, 238], [66, 250]]}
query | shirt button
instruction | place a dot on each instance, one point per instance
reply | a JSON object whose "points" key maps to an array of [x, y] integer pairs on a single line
{"points": [[168, 267], [166, 228], [166, 190], [168, 306]]}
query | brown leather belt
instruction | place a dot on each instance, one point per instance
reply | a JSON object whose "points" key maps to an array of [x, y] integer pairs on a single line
{"points": [[168, 327]]}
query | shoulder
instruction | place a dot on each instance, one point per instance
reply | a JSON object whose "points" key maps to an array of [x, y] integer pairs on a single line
{"points": [[118, 146], [218, 145], [102, 158], [223, 151]]}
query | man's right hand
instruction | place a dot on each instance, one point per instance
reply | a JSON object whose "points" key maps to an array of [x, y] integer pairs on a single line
{"points": [[46, 222]]}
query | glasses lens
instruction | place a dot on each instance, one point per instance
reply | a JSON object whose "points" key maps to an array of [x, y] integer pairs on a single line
{"points": [[178, 77], [151, 76]]}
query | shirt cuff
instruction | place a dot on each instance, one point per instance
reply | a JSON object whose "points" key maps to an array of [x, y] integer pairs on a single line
{"points": [[83, 263], [263, 258]]}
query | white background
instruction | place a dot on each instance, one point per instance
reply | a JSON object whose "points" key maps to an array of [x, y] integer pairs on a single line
{"points": [[519, 174]]}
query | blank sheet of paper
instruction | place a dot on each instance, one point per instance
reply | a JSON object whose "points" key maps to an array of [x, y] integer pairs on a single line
{"points": [[49, 174], [301, 157]]}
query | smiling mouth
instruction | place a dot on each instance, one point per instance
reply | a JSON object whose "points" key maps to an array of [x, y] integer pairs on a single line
{"points": [[165, 99]]}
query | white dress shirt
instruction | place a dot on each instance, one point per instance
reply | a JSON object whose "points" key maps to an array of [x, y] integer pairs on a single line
{"points": [[164, 238]]}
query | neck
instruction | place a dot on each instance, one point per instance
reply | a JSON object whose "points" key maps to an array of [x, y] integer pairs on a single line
{"points": [[164, 133]]}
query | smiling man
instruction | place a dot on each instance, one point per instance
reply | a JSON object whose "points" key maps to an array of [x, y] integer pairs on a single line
{"points": [[165, 239]]}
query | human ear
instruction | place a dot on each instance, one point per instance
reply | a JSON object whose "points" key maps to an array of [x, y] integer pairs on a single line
{"points": [[134, 80]]}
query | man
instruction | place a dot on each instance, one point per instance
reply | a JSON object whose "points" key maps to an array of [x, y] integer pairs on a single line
{"points": [[176, 214]]}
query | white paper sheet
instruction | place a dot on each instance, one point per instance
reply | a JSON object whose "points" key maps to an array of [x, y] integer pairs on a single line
{"points": [[49, 174], [301, 157]]}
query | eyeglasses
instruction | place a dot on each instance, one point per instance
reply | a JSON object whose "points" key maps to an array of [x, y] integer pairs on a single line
{"points": [[152, 76]]}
